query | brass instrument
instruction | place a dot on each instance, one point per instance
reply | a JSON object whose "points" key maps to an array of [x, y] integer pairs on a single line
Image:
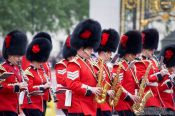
{"points": [[138, 107], [103, 85], [24, 79], [50, 88], [117, 89]]}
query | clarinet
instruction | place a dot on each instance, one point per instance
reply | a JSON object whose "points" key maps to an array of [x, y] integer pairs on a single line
{"points": [[50, 88], [162, 66], [24, 80]]}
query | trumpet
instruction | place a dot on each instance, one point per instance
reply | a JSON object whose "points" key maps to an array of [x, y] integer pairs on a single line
{"points": [[104, 86], [50, 88], [24, 79]]}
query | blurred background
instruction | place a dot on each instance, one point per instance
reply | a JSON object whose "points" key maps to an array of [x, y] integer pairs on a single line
{"points": [[59, 17]]}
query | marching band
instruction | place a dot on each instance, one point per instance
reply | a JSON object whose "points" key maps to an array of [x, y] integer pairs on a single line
{"points": [[137, 82]]}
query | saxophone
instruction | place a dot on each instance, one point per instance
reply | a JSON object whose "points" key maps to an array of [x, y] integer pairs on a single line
{"points": [[117, 89], [103, 85], [138, 107]]}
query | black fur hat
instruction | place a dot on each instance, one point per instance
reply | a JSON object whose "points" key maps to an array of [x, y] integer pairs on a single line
{"points": [[15, 43], [109, 41], [86, 34], [168, 53], [130, 43], [150, 38], [39, 50], [68, 51], [43, 35]]}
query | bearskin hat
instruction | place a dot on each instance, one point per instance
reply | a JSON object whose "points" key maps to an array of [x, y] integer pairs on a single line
{"points": [[15, 43], [68, 51], [168, 53], [109, 41], [150, 38], [43, 35], [86, 34], [130, 43], [39, 50]]}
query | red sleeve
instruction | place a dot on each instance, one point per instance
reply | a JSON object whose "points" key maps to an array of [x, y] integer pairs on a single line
{"points": [[31, 84], [7, 84], [7, 87], [73, 81], [154, 75], [60, 72], [163, 85], [153, 78]]}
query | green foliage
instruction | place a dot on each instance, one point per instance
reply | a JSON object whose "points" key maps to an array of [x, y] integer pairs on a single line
{"points": [[41, 15]]}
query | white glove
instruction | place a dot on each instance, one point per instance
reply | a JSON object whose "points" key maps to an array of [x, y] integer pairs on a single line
{"points": [[163, 72], [95, 90], [135, 98], [111, 93]]}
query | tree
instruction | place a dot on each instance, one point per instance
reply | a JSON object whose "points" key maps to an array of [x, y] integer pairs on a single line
{"points": [[41, 15]]}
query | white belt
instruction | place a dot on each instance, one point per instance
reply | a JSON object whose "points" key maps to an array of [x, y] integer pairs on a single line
{"points": [[155, 84], [168, 91]]}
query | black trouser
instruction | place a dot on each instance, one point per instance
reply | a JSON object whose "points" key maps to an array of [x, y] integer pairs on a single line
{"points": [[65, 111], [103, 113], [45, 107], [126, 113], [169, 112], [75, 114], [8, 113], [32, 112], [153, 111]]}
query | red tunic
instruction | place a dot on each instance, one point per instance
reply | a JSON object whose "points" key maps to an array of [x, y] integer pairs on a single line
{"points": [[106, 79], [129, 82], [166, 93], [60, 71], [80, 72], [26, 64], [36, 78], [153, 84], [153, 81], [8, 97]]}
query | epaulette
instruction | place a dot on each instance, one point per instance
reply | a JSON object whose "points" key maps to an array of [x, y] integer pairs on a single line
{"points": [[120, 62], [74, 60], [2, 68], [27, 72], [61, 62]]}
